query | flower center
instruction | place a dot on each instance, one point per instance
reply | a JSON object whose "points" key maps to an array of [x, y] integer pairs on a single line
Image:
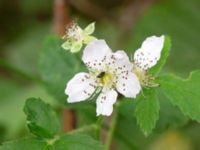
{"points": [[74, 32], [105, 79], [140, 74], [144, 79]]}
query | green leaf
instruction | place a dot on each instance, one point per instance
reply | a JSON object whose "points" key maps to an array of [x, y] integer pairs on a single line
{"points": [[66, 142], [24, 144], [147, 110], [23, 52], [184, 93], [77, 142], [42, 119], [170, 116], [164, 55], [57, 67]]}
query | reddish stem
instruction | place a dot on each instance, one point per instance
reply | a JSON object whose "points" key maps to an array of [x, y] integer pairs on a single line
{"points": [[60, 20]]}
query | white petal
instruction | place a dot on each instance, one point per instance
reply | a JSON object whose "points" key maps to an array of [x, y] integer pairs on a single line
{"points": [[94, 54], [80, 87], [149, 53], [128, 85], [105, 102], [121, 62]]}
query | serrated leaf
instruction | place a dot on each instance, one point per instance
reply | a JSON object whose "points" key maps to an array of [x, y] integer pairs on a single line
{"points": [[57, 66], [184, 93], [147, 110], [24, 144], [170, 116], [42, 119], [77, 142], [164, 55]]}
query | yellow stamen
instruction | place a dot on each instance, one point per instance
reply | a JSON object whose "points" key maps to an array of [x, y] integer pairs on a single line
{"points": [[107, 79], [140, 74]]}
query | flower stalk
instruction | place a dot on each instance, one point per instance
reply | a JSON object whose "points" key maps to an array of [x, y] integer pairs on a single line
{"points": [[99, 124], [112, 129]]}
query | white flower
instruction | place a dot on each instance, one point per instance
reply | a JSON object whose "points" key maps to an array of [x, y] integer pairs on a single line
{"points": [[146, 57], [112, 72], [76, 37]]}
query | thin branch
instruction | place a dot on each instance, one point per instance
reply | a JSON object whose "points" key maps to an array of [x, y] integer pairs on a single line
{"points": [[61, 18], [99, 124], [69, 119]]}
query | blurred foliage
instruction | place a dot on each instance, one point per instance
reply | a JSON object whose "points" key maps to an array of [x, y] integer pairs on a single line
{"points": [[181, 21], [109, 4], [27, 46], [13, 96], [57, 66], [172, 140], [17, 17], [21, 34], [36, 7]]}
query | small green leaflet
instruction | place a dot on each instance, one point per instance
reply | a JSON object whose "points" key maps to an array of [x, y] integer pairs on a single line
{"points": [[183, 93], [147, 110], [42, 120], [164, 55]]}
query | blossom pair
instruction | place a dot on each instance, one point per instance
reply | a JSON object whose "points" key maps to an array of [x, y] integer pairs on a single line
{"points": [[112, 73]]}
